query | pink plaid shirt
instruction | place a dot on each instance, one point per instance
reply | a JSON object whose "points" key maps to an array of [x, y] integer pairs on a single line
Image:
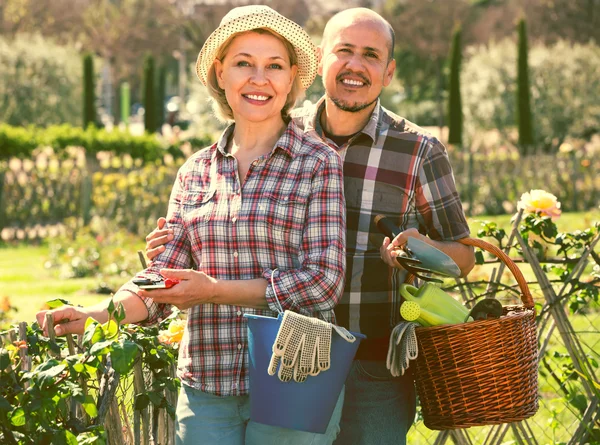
{"points": [[287, 220]]}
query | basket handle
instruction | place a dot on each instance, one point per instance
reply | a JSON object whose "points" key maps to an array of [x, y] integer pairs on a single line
{"points": [[525, 294]]}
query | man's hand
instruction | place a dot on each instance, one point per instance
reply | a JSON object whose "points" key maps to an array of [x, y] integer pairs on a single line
{"points": [[193, 288], [389, 249], [67, 320], [156, 240]]}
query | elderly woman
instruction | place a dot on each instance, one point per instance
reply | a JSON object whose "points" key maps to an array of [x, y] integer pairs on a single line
{"points": [[258, 224]]}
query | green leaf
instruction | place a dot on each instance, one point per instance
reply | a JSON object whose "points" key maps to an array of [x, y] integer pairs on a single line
{"points": [[101, 348], [90, 406], [120, 315], [141, 401], [18, 417], [57, 302], [123, 356], [93, 332], [46, 377], [111, 307], [111, 329], [479, 259], [4, 405], [4, 359]]}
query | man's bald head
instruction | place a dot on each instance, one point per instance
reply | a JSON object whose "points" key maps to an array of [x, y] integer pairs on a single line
{"points": [[355, 16]]}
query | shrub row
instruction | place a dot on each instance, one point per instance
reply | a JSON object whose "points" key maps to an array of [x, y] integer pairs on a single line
{"points": [[19, 142]]}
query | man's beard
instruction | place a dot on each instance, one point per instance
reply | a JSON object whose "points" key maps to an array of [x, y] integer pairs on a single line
{"points": [[354, 108]]}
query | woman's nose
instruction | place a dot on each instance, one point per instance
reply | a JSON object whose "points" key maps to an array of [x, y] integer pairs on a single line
{"points": [[259, 77]]}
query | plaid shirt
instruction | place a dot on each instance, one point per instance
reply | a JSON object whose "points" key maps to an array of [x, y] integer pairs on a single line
{"points": [[287, 220], [392, 167]]}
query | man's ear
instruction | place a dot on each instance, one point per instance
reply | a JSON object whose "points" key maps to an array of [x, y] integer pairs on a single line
{"points": [[389, 72], [219, 73], [320, 60]]}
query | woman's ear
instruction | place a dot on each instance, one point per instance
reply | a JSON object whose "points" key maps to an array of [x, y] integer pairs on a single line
{"points": [[219, 73]]}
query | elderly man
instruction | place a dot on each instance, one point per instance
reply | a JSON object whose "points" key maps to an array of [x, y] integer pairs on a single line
{"points": [[391, 167]]}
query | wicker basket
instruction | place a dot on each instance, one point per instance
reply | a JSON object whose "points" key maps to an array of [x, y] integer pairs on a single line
{"points": [[482, 372]]}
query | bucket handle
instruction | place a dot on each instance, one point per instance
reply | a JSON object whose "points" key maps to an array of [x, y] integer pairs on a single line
{"points": [[343, 332]]}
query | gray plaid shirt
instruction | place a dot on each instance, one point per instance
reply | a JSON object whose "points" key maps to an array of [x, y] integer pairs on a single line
{"points": [[392, 167]]}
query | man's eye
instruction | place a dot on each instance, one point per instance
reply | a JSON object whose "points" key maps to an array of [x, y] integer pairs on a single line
{"points": [[372, 55], [344, 50]]}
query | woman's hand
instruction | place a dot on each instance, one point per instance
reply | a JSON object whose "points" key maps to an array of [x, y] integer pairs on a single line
{"points": [[67, 320], [156, 240], [194, 288], [389, 249]]}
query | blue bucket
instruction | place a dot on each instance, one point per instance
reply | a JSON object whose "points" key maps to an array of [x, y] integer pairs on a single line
{"points": [[304, 406]]}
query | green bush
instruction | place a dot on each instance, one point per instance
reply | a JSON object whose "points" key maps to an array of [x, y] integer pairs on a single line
{"points": [[564, 90], [523, 94], [17, 142], [20, 142], [89, 96], [40, 82], [455, 114]]}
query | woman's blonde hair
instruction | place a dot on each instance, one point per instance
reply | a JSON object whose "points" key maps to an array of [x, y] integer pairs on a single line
{"points": [[220, 105]]}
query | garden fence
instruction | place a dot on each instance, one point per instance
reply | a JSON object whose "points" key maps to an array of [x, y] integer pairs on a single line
{"points": [[46, 190]]}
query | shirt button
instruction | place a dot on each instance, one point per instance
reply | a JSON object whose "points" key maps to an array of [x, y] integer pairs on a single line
{"points": [[234, 386], [235, 254], [234, 219], [239, 313], [239, 346], [286, 198]]}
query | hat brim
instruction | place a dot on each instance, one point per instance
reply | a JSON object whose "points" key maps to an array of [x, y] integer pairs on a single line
{"points": [[304, 48]]}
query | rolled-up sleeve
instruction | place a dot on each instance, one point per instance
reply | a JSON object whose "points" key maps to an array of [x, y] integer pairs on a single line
{"points": [[318, 284], [437, 200]]}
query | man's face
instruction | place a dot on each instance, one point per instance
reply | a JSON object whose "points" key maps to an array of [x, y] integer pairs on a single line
{"points": [[354, 64]]}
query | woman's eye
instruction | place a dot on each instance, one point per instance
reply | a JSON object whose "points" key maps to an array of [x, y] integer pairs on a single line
{"points": [[275, 66], [242, 63]]}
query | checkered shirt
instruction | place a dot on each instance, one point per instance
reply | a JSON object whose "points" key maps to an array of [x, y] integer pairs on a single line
{"points": [[392, 167], [286, 224]]}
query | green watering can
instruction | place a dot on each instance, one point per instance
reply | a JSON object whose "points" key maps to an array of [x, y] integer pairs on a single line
{"points": [[431, 306]]}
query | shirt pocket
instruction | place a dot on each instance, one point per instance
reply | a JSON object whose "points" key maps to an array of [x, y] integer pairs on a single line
{"points": [[283, 218], [197, 207]]}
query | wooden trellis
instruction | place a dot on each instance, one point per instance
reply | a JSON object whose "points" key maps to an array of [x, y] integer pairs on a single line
{"points": [[554, 316]]}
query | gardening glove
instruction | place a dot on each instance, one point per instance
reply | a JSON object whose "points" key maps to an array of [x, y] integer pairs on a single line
{"points": [[302, 347], [403, 347]]}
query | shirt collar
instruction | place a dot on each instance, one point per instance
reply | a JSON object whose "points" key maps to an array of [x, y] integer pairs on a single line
{"points": [[371, 129], [290, 141]]}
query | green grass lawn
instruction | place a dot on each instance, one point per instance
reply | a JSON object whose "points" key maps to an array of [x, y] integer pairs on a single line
{"points": [[28, 284]]}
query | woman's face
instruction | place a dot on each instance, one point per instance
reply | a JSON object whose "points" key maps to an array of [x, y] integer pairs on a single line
{"points": [[257, 76]]}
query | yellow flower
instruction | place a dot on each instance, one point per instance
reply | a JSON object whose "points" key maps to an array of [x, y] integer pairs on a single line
{"points": [[540, 201], [173, 334]]}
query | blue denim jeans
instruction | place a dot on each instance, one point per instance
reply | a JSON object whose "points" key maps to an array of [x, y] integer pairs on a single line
{"points": [[378, 409], [211, 420]]}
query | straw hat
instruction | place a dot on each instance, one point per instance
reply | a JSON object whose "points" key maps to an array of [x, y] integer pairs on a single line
{"points": [[246, 18]]}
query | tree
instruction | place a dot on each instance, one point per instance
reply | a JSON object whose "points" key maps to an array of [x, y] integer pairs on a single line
{"points": [[150, 120], [40, 82], [89, 97], [455, 116], [524, 120]]}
